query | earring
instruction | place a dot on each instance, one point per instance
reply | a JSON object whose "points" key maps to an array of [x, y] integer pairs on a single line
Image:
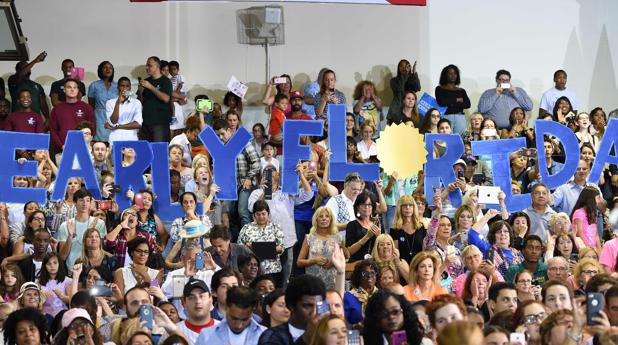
{"points": [[358, 215]]}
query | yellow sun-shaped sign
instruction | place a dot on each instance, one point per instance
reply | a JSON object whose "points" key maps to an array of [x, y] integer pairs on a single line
{"points": [[401, 149]]}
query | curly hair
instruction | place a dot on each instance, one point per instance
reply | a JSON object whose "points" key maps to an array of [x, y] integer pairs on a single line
{"points": [[373, 319], [358, 271], [27, 314], [441, 301]]}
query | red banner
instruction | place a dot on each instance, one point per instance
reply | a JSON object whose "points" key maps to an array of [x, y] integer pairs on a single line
{"points": [[365, 2]]}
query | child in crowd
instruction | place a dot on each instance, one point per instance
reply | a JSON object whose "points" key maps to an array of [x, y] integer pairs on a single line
{"points": [[54, 282], [268, 152], [12, 279], [277, 116]]}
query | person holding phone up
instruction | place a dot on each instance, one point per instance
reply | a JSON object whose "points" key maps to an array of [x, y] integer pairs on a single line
{"points": [[328, 95], [498, 102]]}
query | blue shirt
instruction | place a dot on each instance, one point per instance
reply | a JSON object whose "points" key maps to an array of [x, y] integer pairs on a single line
{"points": [[219, 334], [498, 107], [566, 196], [101, 95], [539, 223]]}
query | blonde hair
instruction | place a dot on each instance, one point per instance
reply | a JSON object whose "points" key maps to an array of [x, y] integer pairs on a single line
{"points": [[470, 248], [585, 250], [416, 218], [314, 220], [467, 200], [383, 264], [461, 209], [470, 121], [585, 262], [84, 257], [557, 216], [199, 157], [416, 261], [459, 333]]}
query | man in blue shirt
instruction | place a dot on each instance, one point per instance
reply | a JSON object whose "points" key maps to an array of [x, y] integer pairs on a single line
{"points": [[567, 194], [497, 103], [239, 327]]}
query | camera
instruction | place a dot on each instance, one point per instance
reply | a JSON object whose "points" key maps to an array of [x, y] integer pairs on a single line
{"points": [[100, 289]]}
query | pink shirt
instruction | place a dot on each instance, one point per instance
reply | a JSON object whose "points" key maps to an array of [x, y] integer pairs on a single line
{"points": [[609, 253], [54, 304], [589, 231]]}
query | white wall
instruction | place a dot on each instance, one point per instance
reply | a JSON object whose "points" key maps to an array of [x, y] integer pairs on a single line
{"points": [[528, 37]]}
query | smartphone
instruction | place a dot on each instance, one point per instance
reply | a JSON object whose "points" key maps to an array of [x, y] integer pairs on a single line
{"points": [[77, 72], [145, 314], [574, 257], [398, 338], [100, 289], [199, 261], [322, 308], [178, 284], [595, 302], [281, 80], [204, 104], [505, 85], [116, 188], [354, 337], [139, 200], [268, 189], [517, 339], [104, 205], [460, 174], [312, 166], [535, 282]]}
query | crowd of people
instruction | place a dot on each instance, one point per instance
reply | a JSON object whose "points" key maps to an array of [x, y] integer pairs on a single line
{"points": [[336, 263]]}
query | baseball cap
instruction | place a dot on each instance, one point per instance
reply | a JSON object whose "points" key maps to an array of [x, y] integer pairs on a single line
{"points": [[73, 314], [296, 94], [194, 284], [460, 161], [28, 286]]}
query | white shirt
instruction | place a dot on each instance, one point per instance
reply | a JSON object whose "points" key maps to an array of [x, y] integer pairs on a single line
{"points": [[273, 161], [365, 151], [178, 122], [168, 285], [551, 96], [192, 336], [130, 111], [182, 141], [332, 204]]}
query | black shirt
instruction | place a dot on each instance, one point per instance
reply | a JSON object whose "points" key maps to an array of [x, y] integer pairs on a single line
{"points": [[353, 233], [409, 245], [448, 98]]}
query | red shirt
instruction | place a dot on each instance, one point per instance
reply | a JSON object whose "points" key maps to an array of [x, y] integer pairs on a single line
{"points": [[65, 117], [302, 116], [277, 116], [198, 328], [25, 122]]}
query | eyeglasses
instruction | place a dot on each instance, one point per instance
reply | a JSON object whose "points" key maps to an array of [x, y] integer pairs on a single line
{"points": [[524, 281], [561, 269], [368, 274], [590, 271], [141, 251], [386, 313], [534, 318]]}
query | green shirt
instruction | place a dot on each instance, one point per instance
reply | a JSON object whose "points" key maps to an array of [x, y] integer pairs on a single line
{"points": [[539, 275], [155, 111]]}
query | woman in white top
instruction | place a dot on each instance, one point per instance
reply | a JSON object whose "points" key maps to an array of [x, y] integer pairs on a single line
{"points": [[367, 147], [137, 273], [584, 134]]}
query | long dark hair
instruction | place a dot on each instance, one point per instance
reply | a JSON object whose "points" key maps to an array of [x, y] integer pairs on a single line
{"points": [[557, 105], [587, 201], [426, 121], [375, 307], [28, 231], [570, 237], [62, 273], [269, 300]]}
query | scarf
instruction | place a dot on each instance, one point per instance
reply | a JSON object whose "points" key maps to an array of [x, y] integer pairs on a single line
{"points": [[363, 296]]}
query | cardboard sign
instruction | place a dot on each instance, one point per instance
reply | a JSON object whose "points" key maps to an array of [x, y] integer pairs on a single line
{"points": [[427, 102]]}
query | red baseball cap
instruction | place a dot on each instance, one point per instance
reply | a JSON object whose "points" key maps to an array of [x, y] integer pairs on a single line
{"points": [[296, 94]]}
